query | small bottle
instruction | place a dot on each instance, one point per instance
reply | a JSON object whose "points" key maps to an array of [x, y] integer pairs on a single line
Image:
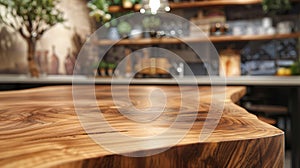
{"points": [[218, 27], [54, 63], [128, 68], [43, 63], [69, 63], [37, 59]]}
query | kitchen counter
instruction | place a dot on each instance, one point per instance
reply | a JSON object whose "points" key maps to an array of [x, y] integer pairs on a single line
{"points": [[200, 80], [41, 128]]}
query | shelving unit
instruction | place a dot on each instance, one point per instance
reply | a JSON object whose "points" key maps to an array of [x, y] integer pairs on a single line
{"points": [[222, 40], [214, 39], [195, 4]]}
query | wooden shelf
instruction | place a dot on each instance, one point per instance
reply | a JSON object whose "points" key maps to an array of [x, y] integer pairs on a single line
{"points": [[253, 37], [214, 39], [180, 5], [198, 3], [212, 3], [115, 9]]}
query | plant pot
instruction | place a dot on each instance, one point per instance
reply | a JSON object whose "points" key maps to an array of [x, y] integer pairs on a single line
{"points": [[110, 72], [102, 72]]}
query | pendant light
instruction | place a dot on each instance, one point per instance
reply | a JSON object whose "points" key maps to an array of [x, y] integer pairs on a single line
{"points": [[154, 6]]}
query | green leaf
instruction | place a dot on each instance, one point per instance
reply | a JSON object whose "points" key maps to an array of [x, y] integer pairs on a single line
{"points": [[111, 65], [295, 68], [276, 6], [102, 64]]}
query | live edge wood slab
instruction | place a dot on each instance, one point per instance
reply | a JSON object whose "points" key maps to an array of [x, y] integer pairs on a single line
{"points": [[39, 128]]}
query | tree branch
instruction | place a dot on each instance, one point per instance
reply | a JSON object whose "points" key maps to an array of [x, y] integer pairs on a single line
{"points": [[6, 22], [18, 23], [41, 32], [38, 25], [30, 26], [22, 33]]}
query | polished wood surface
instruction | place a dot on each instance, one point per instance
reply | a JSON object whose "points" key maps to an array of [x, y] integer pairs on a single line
{"points": [[214, 39], [39, 128]]}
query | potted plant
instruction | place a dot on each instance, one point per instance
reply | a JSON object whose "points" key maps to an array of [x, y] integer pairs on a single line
{"points": [[100, 12], [124, 29], [295, 68], [102, 68], [150, 25], [276, 6], [31, 19], [111, 67]]}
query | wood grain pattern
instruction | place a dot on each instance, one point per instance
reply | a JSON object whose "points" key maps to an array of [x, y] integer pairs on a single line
{"points": [[39, 128]]}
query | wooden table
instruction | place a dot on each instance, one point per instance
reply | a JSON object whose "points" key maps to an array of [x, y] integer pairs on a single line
{"points": [[39, 128]]}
